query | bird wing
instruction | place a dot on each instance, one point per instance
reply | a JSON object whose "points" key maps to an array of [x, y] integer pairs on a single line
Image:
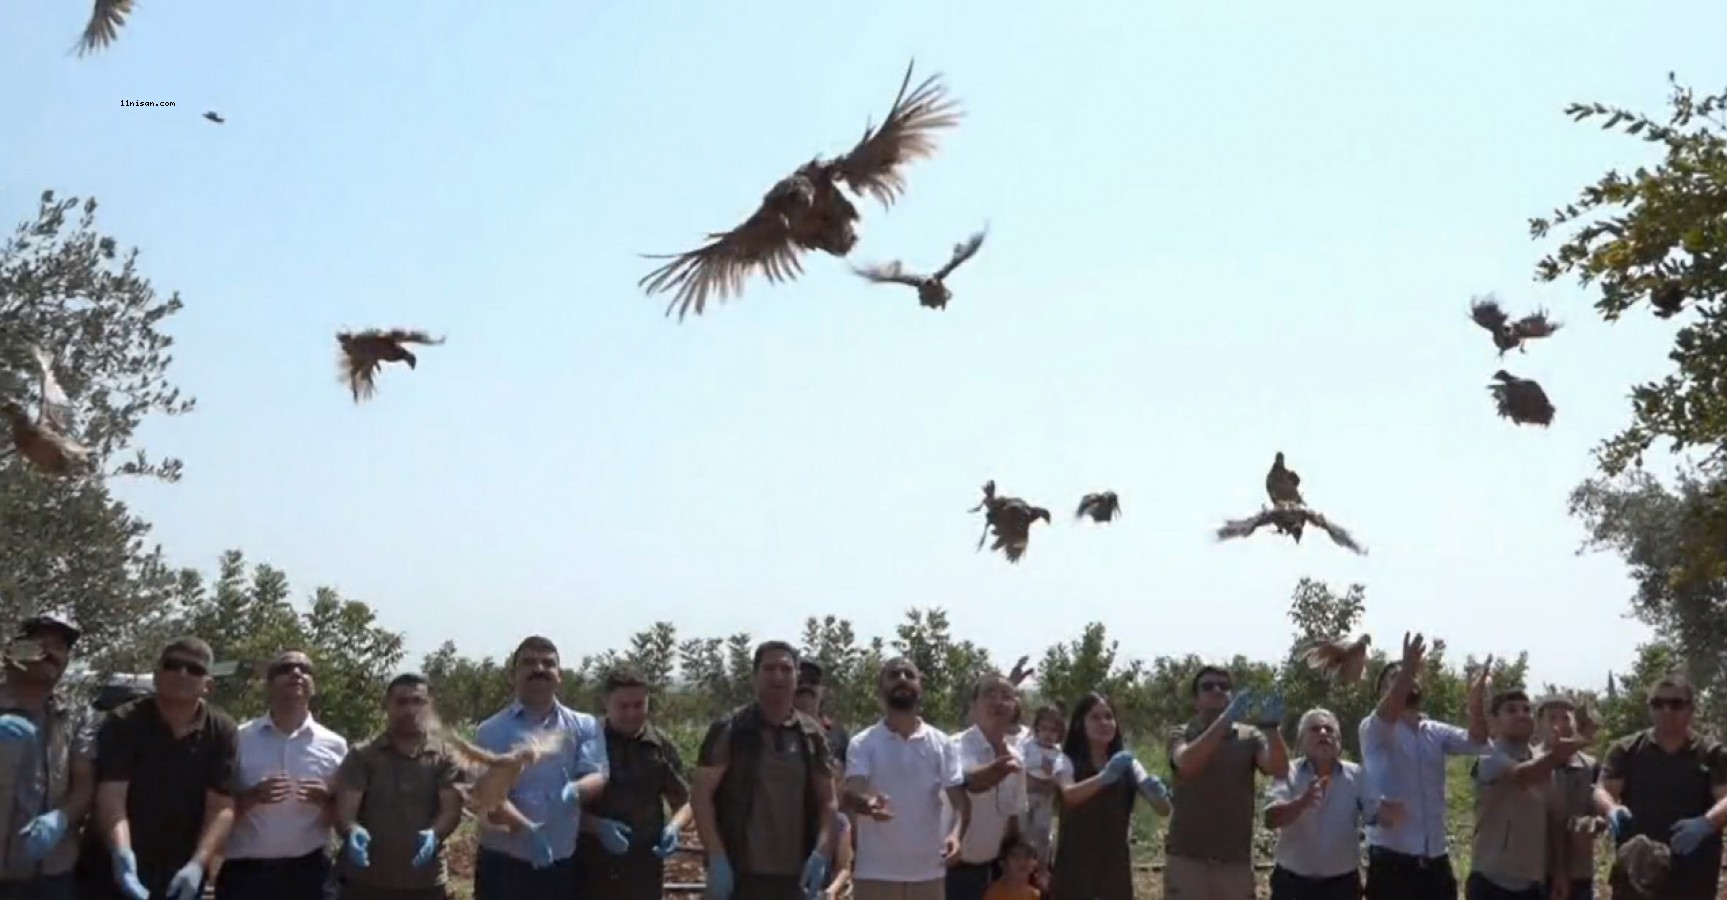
{"points": [[892, 272], [961, 252], [1339, 535], [1240, 528], [1325, 656], [1487, 313], [468, 753], [1354, 664], [106, 17], [908, 133], [56, 409], [1535, 325], [1087, 504], [541, 744], [404, 336], [720, 267]]}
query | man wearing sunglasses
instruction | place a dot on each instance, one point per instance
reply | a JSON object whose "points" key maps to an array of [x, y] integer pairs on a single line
{"points": [[1670, 784], [49, 781], [287, 763], [165, 772]]}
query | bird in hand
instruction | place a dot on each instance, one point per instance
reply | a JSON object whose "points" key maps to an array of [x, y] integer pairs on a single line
{"points": [[1340, 661], [1009, 519], [43, 441], [1646, 863], [932, 290], [1101, 507], [106, 18], [1508, 334], [807, 210], [1290, 520], [1521, 400], [496, 774], [364, 353], [1282, 484]]}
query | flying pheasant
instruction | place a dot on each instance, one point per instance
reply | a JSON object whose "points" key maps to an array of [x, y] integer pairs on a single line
{"points": [[1103, 507], [363, 354], [1290, 520], [1521, 400], [932, 290], [106, 18], [43, 441], [1009, 519], [1338, 661], [1507, 334], [1282, 484], [807, 210], [495, 774], [214, 117]]}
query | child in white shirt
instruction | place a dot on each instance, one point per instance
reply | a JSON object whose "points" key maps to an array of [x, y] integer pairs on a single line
{"points": [[1044, 765]]}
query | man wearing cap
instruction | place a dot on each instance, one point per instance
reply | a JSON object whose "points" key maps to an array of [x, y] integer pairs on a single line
{"points": [[47, 784], [810, 674]]}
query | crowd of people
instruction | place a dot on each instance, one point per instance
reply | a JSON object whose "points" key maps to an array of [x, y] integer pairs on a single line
{"points": [[166, 793]]}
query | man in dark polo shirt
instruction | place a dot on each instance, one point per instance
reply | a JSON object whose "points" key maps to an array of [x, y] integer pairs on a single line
{"points": [[164, 782], [763, 795], [396, 804], [811, 675], [1670, 784], [626, 841]]}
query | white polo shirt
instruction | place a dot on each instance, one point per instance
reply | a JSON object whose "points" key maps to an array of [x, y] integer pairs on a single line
{"points": [[913, 772], [992, 810], [290, 828]]}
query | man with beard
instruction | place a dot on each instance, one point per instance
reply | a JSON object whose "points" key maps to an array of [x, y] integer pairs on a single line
{"points": [[763, 795], [550, 792], [397, 803], [287, 766], [896, 774], [1317, 813], [1404, 753], [995, 774], [1670, 784], [164, 781], [48, 783], [1512, 783], [625, 843], [1572, 823], [812, 675]]}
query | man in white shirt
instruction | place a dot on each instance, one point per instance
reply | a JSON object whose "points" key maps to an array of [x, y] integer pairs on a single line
{"points": [[897, 771], [279, 848], [995, 779], [1317, 813]]}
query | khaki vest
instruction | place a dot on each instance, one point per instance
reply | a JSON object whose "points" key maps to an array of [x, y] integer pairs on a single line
{"points": [[20, 761], [1511, 826]]}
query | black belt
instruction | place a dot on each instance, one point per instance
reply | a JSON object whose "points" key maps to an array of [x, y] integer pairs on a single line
{"points": [[1408, 859]]}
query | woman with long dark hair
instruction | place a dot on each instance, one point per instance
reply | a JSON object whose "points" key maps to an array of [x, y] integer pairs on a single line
{"points": [[1092, 859]]}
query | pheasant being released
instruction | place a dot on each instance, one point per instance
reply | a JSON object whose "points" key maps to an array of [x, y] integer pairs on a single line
{"points": [[1282, 484], [1009, 519], [1521, 400], [106, 18], [1291, 520], [807, 210], [496, 773], [1646, 863], [1507, 334], [932, 290], [43, 441], [363, 354], [1102, 507], [1338, 661]]}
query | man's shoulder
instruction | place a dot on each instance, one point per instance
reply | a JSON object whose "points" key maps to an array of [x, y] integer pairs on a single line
{"points": [[496, 724], [327, 736]]}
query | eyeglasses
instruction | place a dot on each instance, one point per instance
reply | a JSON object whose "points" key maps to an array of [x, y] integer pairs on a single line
{"points": [[286, 667], [1673, 703], [1206, 687], [196, 670]]}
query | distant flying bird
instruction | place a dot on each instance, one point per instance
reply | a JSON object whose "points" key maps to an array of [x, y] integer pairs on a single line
{"points": [[43, 442], [212, 116], [807, 210], [1341, 662], [497, 773], [1103, 507], [1521, 400], [363, 354], [1282, 484], [1508, 334], [1668, 300], [1009, 519], [1291, 520], [932, 290]]}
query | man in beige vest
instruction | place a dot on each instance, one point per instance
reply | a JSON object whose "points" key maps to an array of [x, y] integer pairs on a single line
{"points": [[46, 785], [1512, 784]]}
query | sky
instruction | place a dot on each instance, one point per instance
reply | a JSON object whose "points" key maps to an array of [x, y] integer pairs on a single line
{"points": [[1217, 231]]}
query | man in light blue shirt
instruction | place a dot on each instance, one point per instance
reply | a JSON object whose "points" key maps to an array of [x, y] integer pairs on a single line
{"points": [[1318, 812], [1404, 752], [550, 792]]}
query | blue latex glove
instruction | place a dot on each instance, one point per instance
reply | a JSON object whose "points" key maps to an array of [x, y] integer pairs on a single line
{"points": [[669, 842], [1271, 711], [1688, 834], [1153, 788], [187, 883], [14, 727], [425, 848], [1238, 706], [815, 874], [1120, 764], [719, 877], [540, 847], [357, 847], [43, 834], [126, 875], [614, 836], [1619, 822]]}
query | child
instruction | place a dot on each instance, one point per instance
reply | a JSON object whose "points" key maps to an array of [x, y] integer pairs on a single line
{"points": [[1018, 862], [1044, 761]]}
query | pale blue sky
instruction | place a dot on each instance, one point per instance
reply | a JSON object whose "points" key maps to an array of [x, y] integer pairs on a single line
{"points": [[1218, 230]]}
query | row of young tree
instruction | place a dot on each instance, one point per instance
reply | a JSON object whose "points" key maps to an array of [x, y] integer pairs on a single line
{"points": [[1656, 238]]}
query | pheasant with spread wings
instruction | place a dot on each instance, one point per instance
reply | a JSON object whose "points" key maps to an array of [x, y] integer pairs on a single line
{"points": [[495, 774], [43, 441], [932, 290], [106, 19], [363, 354], [807, 210], [1344, 662], [1509, 334], [1288, 513], [1521, 400], [1009, 519]]}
